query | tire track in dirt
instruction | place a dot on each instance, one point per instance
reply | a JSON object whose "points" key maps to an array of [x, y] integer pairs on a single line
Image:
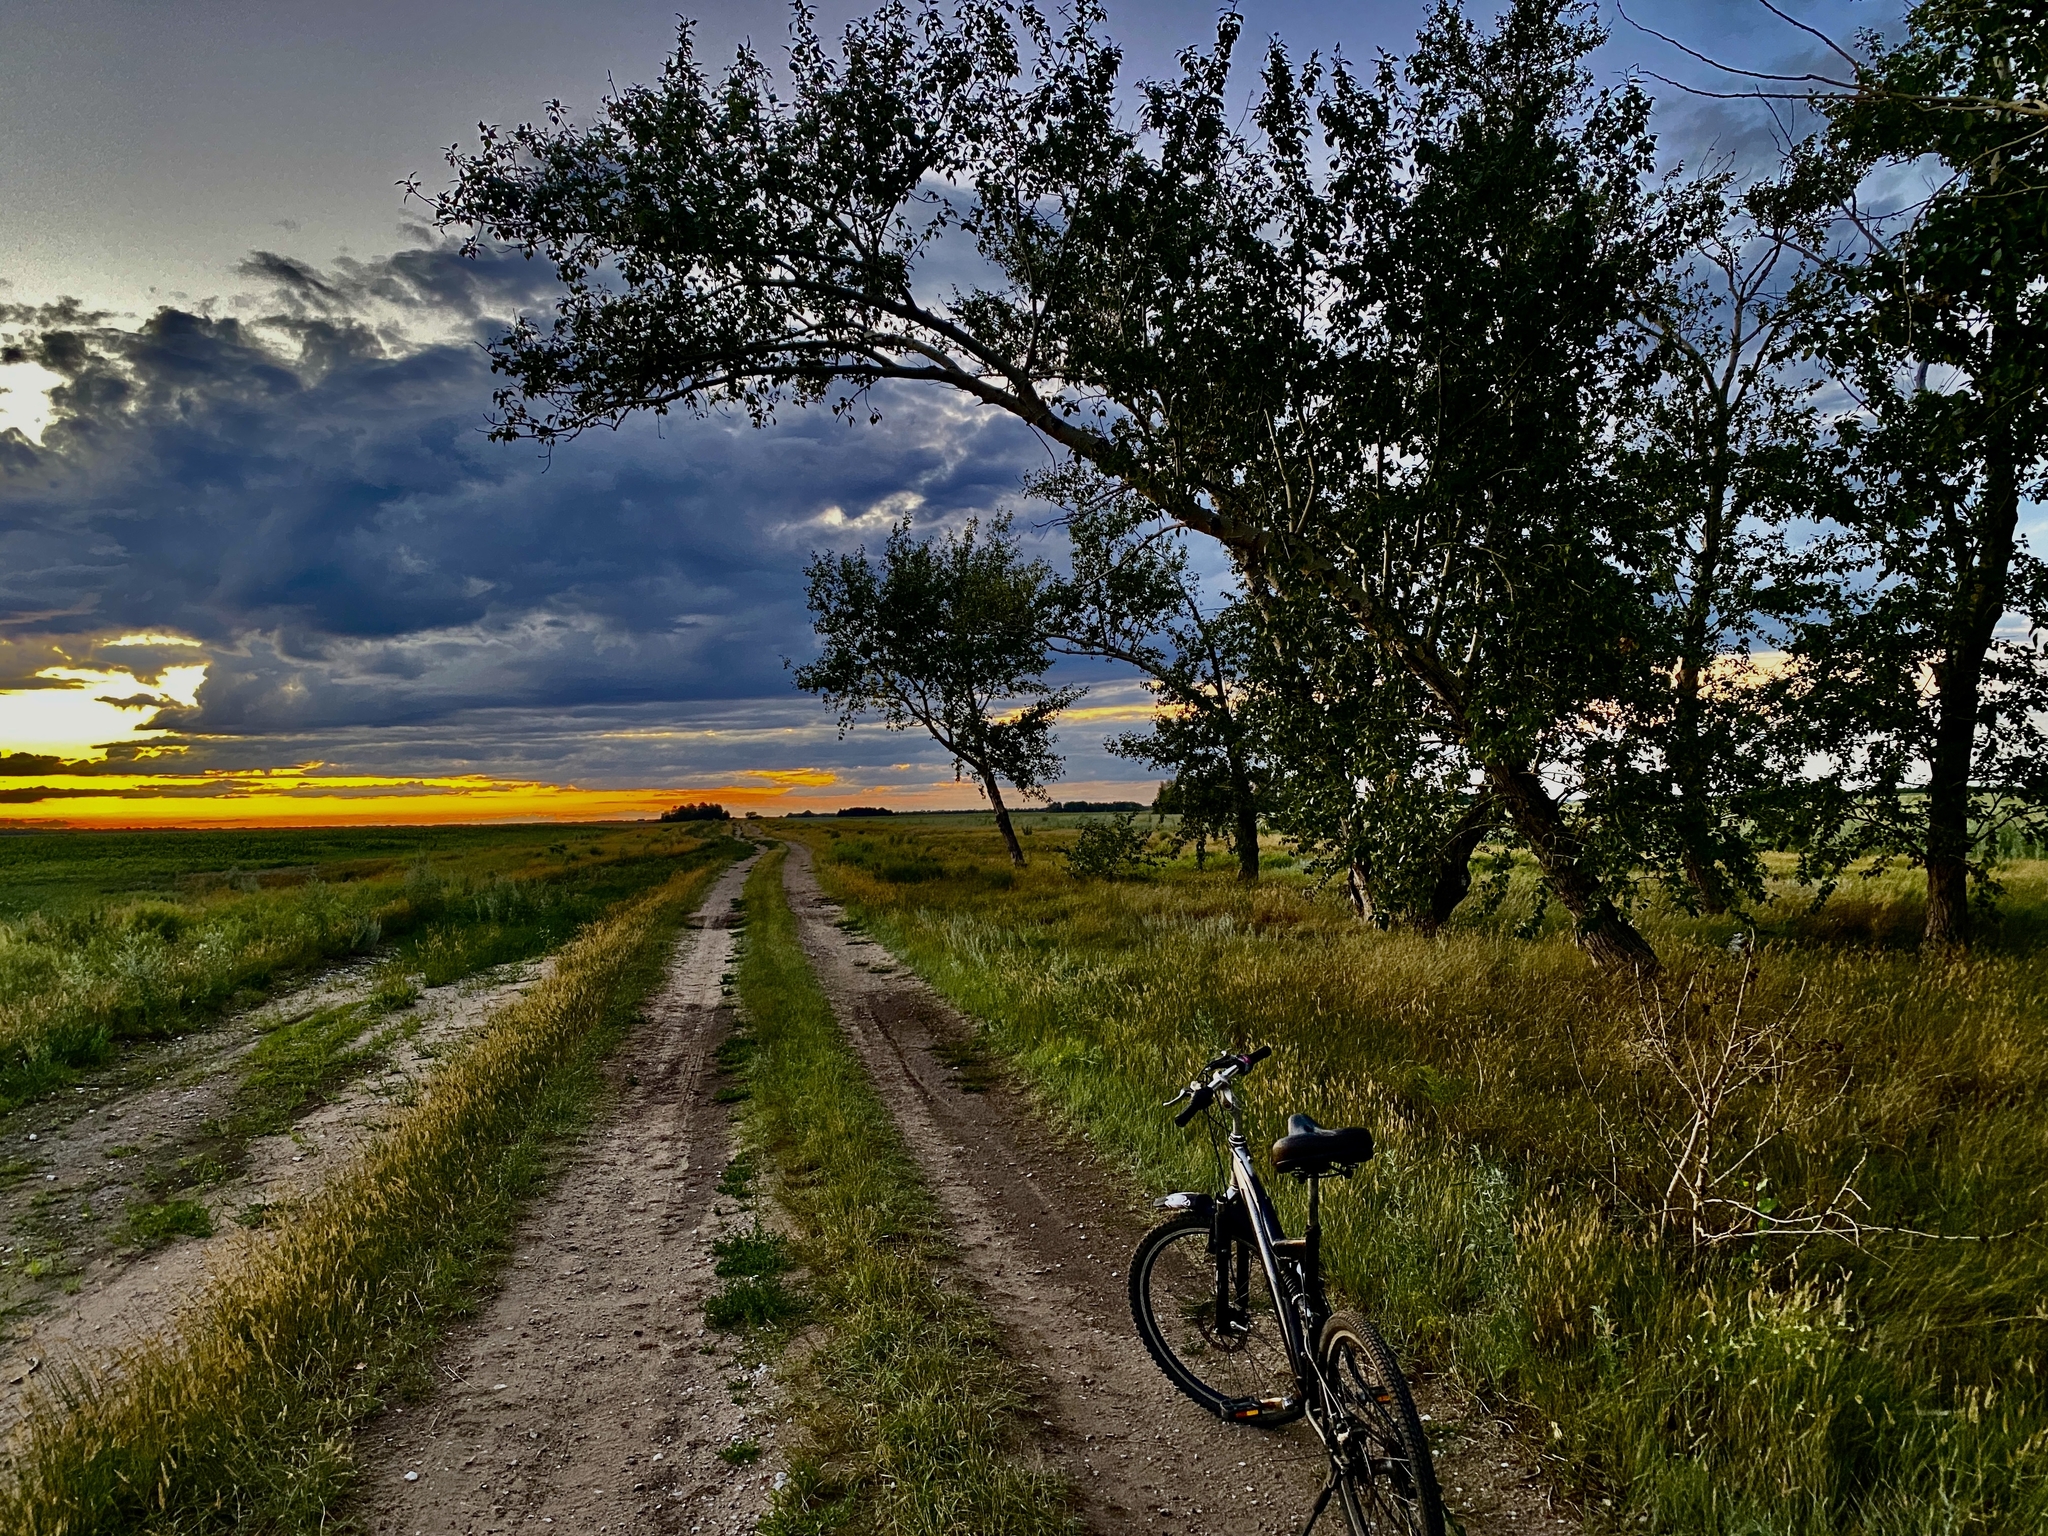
{"points": [[588, 1396], [161, 1098], [1046, 1235]]}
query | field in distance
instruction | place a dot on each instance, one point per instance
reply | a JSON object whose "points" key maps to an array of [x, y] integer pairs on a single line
{"points": [[109, 938], [175, 1005]]}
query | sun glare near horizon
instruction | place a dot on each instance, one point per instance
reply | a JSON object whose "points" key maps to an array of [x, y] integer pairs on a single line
{"points": [[97, 757], [82, 711]]}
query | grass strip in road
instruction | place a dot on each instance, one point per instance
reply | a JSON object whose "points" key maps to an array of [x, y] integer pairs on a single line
{"points": [[239, 1418], [912, 1417]]}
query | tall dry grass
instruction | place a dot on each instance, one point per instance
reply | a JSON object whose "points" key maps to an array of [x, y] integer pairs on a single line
{"points": [[1758, 1250], [238, 1417]]}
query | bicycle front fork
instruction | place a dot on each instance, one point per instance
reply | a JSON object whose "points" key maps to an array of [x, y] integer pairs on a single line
{"points": [[1233, 1289]]}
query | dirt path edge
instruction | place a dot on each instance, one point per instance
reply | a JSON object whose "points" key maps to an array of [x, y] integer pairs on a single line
{"points": [[588, 1396]]}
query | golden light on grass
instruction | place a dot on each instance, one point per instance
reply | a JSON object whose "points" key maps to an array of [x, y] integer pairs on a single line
{"points": [[315, 795], [309, 794]]}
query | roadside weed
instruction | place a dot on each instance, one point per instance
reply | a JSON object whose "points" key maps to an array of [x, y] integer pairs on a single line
{"points": [[150, 1226]]}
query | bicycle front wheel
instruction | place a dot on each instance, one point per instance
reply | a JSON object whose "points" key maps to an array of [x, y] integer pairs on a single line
{"points": [[1209, 1322], [1386, 1478]]}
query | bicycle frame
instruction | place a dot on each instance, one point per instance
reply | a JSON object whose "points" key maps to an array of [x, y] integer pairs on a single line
{"points": [[1242, 1217], [1300, 1307]]}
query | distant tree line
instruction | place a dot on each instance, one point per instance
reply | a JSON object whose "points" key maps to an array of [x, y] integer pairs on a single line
{"points": [[1647, 521], [703, 810]]}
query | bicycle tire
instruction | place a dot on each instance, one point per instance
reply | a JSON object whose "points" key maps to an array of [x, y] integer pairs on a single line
{"points": [[1386, 1477], [1241, 1374]]}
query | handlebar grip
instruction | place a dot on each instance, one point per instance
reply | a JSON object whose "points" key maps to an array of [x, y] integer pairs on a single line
{"points": [[1195, 1107], [1258, 1056]]}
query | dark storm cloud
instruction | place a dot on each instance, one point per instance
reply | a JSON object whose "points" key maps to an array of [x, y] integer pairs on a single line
{"points": [[312, 494]]}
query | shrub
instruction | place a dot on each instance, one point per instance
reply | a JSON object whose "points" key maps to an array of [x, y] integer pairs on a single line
{"points": [[1111, 850]]}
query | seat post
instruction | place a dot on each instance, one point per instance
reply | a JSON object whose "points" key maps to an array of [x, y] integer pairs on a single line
{"points": [[1314, 1242]]}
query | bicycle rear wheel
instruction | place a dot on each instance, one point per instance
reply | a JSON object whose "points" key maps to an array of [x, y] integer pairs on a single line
{"points": [[1229, 1358], [1386, 1478]]}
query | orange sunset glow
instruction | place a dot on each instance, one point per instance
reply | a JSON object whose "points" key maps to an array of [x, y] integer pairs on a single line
{"points": [[288, 797], [306, 796]]}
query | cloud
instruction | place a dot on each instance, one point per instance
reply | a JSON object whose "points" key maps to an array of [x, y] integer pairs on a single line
{"points": [[302, 497]]}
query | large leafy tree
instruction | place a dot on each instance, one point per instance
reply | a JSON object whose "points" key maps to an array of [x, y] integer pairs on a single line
{"points": [[1358, 778], [1491, 249], [1927, 682], [1373, 369], [947, 635]]}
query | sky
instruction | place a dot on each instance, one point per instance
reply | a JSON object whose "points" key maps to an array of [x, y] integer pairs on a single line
{"points": [[267, 568]]}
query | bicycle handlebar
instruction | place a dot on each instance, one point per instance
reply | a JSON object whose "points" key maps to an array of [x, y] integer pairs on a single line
{"points": [[1221, 1070]]}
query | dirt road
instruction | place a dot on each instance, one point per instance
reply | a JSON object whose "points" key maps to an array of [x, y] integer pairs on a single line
{"points": [[588, 1397], [1045, 1235], [78, 1161]]}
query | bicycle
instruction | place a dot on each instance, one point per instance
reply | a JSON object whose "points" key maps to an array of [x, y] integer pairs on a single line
{"points": [[1233, 1311]]}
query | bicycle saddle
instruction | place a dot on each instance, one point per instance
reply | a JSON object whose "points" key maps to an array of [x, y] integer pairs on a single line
{"points": [[1312, 1150]]}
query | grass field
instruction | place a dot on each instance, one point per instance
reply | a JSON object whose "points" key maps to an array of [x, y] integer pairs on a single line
{"points": [[238, 1418], [110, 938], [1758, 1249]]}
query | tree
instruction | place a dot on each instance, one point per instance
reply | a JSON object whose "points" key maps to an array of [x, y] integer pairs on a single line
{"points": [[1493, 248], [1131, 598], [2005, 41], [696, 810], [1932, 715], [1360, 783], [1223, 319], [1199, 800], [1721, 443], [947, 634]]}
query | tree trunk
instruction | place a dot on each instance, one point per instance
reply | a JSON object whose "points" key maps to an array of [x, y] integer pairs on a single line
{"points": [[1959, 677], [1454, 866], [1701, 872], [1361, 895], [1246, 804], [1688, 750], [995, 799], [1603, 932]]}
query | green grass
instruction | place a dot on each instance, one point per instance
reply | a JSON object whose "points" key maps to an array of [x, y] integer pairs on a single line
{"points": [[296, 1064], [239, 1418], [752, 1301], [109, 938], [151, 1226], [1682, 1362], [753, 1252], [911, 1418]]}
